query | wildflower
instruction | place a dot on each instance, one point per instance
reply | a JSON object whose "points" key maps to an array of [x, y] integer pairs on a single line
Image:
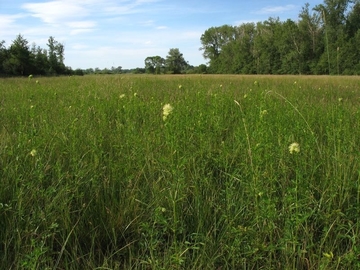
{"points": [[340, 99], [33, 153], [263, 113], [245, 96], [220, 85], [180, 86], [167, 109], [135, 94], [294, 147], [30, 76], [37, 81], [122, 96]]}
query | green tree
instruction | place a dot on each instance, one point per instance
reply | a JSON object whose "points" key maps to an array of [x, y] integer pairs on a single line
{"points": [[55, 56], [154, 64], [311, 40], [267, 56], [175, 62], [18, 61], [350, 55], [333, 17], [288, 44], [3, 56], [237, 56], [213, 41], [353, 20]]}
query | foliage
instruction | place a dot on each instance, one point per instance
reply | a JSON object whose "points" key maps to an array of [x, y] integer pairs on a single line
{"points": [[21, 60], [322, 41], [175, 62], [155, 64], [244, 172]]}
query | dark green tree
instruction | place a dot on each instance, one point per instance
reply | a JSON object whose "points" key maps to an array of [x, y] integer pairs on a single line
{"points": [[213, 41], [333, 17], [18, 61], [311, 40], [3, 56], [55, 56], [267, 55], [154, 64], [175, 62]]}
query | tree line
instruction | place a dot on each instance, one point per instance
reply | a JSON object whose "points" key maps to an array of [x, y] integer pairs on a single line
{"points": [[325, 40], [174, 63], [21, 59]]}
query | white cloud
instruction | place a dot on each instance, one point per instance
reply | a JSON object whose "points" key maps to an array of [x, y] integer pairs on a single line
{"points": [[80, 31], [8, 24], [81, 24], [55, 11], [79, 46], [276, 9], [81, 27], [8, 19]]}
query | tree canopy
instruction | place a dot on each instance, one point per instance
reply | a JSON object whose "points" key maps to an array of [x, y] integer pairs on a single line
{"points": [[174, 63], [323, 41], [21, 60]]}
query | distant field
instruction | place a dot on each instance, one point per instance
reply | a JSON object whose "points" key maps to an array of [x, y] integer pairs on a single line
{"points": [[235, 172]]}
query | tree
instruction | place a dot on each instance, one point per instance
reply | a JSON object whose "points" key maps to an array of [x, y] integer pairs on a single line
{"points": [[56, 56], [116, 70], [353, 20], [154, 64], [19, 59], [311, 40], [213, 41], [266, 54], [333, 16], [175, 62], [3, 56], [237, 55]]}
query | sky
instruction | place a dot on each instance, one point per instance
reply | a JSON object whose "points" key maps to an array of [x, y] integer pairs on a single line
{"points": [[111, 33]]}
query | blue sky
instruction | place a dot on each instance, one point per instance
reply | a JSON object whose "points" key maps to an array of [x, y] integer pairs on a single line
{"points": [[106, 33]]}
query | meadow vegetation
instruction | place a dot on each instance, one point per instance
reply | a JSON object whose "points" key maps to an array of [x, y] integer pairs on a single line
{"points": [[180, 172]]}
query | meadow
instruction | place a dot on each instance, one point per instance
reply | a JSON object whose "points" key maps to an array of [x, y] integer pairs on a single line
{"points": [[180, 172]]}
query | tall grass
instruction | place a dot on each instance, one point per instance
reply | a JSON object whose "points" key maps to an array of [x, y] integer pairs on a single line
{"points": [[93, 177]]}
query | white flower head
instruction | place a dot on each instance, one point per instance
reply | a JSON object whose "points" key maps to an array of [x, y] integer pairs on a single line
{"points": [[294, 147], [33, 153], [167, 109]]}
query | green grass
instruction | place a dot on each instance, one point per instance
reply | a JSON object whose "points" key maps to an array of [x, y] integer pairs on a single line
{"points": [[92, 177]]}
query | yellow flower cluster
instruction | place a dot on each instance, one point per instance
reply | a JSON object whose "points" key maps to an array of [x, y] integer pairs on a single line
{"points": [[294, 147]]}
